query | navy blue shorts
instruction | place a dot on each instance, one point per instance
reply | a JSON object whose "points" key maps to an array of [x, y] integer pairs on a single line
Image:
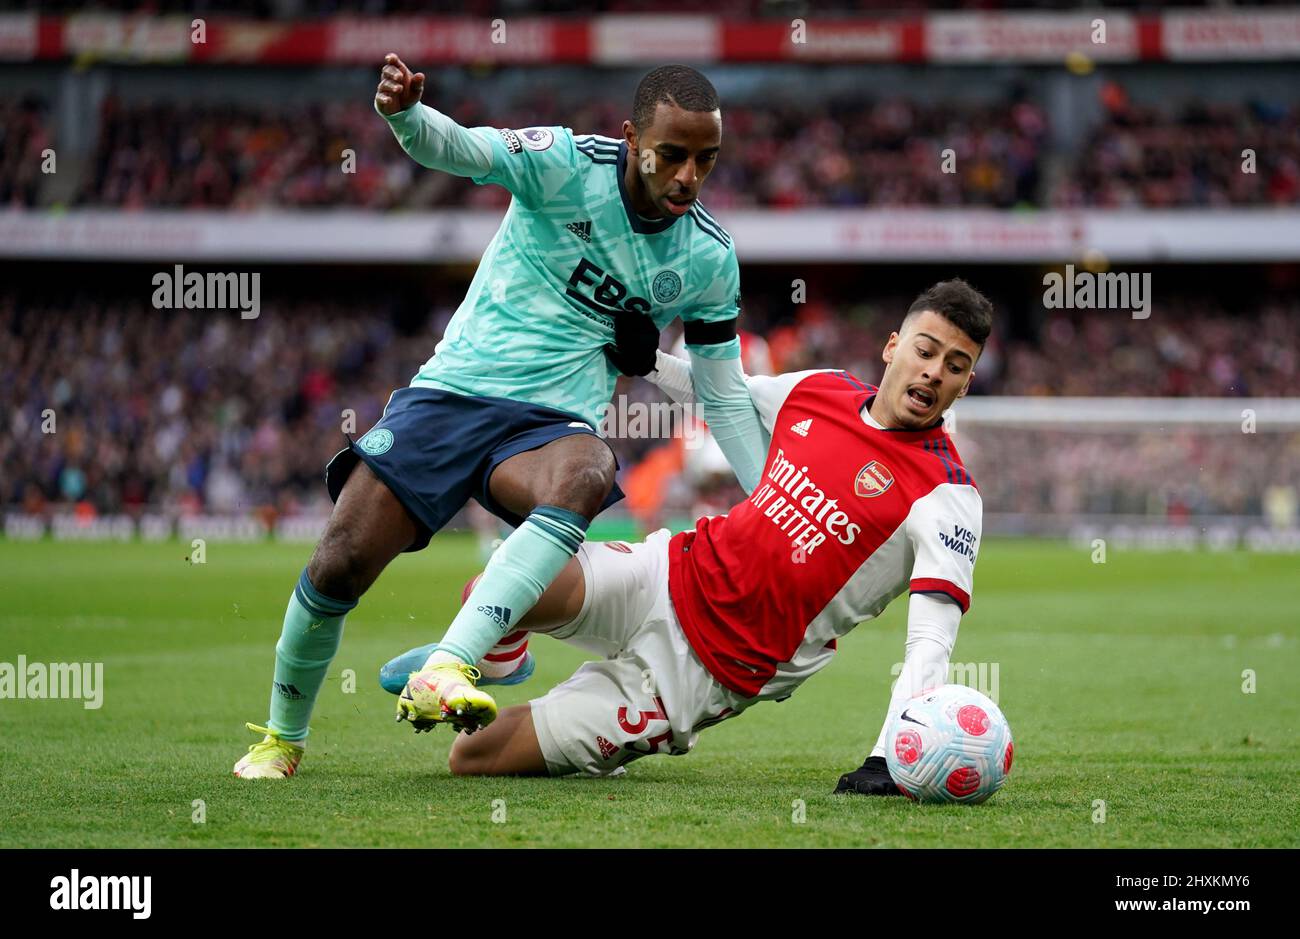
{"points": [[437, 449]]}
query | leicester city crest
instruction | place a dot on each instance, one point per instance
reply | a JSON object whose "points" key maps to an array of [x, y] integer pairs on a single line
{"points": [[667, 285], [379, 440]]}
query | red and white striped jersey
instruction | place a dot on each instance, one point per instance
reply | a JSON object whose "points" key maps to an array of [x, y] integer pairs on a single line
{"points": [[845, 518]]}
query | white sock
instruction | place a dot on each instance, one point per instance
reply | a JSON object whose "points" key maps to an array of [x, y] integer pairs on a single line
{"points": [[506, 656]]}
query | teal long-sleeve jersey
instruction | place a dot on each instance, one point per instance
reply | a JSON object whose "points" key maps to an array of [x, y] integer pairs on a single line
{"points": [[571, 254]]}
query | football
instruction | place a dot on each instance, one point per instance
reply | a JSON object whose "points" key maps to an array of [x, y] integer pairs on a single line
{"points": [[949, 744]]}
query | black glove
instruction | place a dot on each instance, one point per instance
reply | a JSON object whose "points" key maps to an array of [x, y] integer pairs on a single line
{"points": [[870, 779], [636, 339]]}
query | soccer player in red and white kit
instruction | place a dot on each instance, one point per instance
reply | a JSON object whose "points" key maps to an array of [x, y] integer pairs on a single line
{"points": [[863, 497]]}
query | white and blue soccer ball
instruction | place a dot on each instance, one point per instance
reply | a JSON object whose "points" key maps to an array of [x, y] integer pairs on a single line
{"points": [[949, 744]]}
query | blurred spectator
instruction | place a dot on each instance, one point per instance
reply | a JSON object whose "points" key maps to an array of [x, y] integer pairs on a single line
{"points": [[1188, 347], [1188, 155], [191, 411], [188, 409], [828, 152], [1170, 475], [215, 156], [25, 135], [782, 155]]}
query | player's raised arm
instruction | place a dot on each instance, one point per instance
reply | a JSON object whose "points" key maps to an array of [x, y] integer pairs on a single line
{"points": [[533, 163], [431, 138], [399, 88]]}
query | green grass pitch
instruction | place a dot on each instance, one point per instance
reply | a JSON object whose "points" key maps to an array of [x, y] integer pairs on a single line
{"points": [[1123, 683]]}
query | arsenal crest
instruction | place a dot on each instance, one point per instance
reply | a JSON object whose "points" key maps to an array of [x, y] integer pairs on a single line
{"points": [[873, 479]]}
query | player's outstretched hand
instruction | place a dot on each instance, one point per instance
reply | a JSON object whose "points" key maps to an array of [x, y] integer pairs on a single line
{"points": [[870, 779], [398, 87], [636, 339]]}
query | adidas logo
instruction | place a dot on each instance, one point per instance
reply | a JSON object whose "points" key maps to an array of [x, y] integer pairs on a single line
{"points": [[607, 749], [497, 614], [801, 428], [581, 229], [287, 691]]}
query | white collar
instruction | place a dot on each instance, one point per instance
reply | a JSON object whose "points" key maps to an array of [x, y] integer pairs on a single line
{"points": [[869, 420]]}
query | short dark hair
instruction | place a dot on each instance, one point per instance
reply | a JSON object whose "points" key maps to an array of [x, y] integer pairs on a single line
{"points": [[960, 304], [675, 84]]}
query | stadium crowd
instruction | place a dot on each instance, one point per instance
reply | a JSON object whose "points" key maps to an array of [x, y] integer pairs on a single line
{"points": [[190, 411], [780, 154], [1194, 154], [783, 155], [185, 411], [1189, 346], [226, 156], [1167, 474]]}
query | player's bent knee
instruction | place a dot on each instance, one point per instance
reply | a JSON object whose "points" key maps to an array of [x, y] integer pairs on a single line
{"points": [[581, 488], [461, 763], [471, 758], [338, 567], [506, 747]]}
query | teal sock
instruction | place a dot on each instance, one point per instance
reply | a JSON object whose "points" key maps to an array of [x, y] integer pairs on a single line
{"points": [[313, 627], [513, 581]]}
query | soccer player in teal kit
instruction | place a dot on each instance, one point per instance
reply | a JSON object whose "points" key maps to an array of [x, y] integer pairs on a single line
{"points": [[604, 243]]}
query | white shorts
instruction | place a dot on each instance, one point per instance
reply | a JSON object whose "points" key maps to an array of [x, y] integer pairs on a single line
{"points": [[651, 694]]}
